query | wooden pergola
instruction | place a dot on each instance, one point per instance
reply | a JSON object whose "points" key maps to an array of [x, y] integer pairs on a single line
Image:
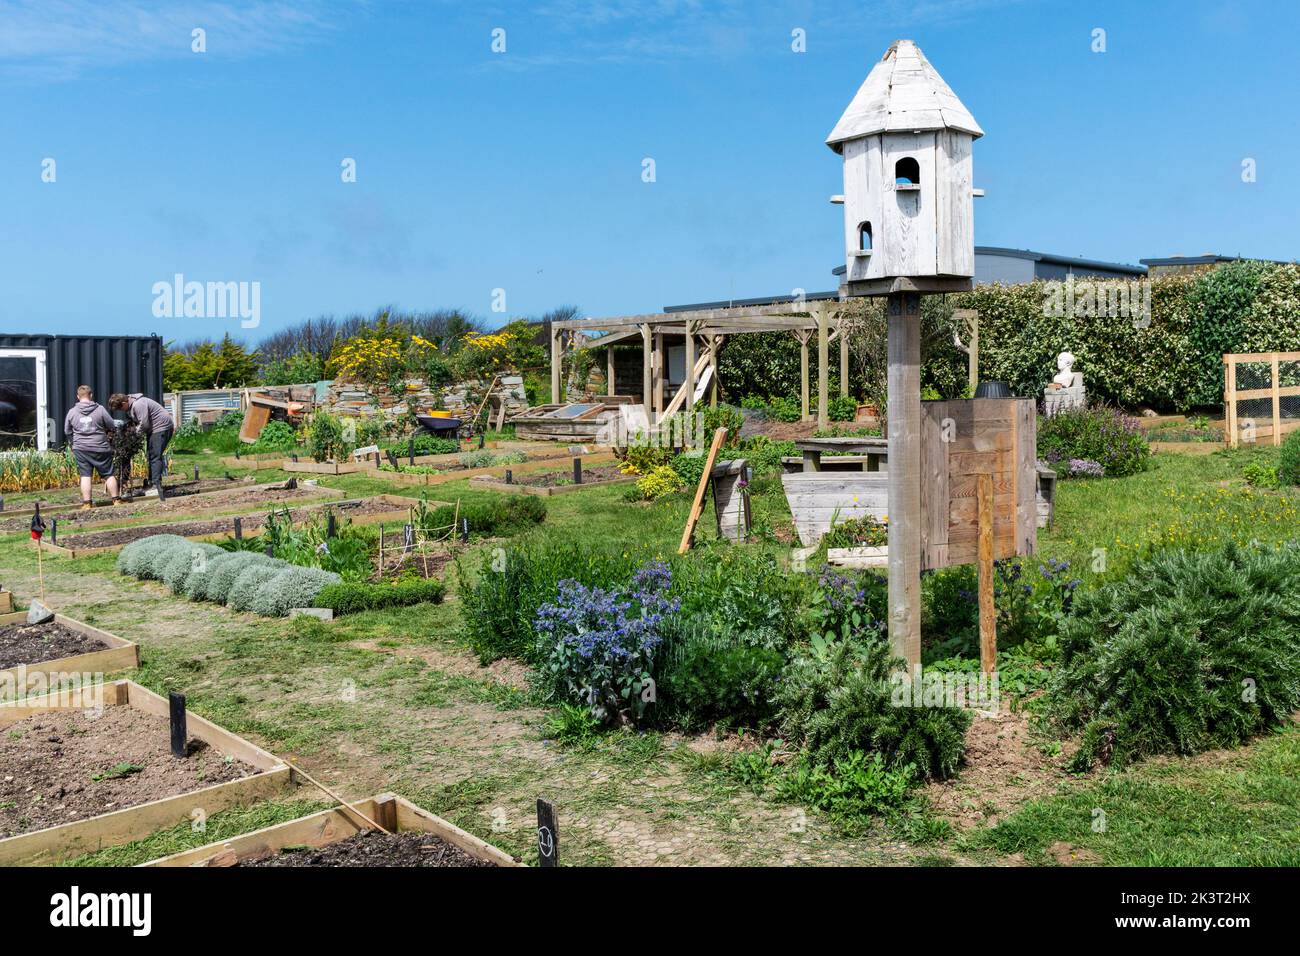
{"points": [[704, 331]]}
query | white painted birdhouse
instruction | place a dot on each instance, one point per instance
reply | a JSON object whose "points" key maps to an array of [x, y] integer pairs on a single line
{"points": [[906, 142]]}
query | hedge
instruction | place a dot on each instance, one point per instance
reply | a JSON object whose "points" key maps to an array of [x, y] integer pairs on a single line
{"points": [[350, 597]]}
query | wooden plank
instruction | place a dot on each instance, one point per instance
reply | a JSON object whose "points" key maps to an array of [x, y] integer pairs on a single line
{"points": [[557, 357], [1230, 398], [803, 375], [988, 613], [1277, 403], [118, 654], [823, 362], [697, 506], [904, 477]]}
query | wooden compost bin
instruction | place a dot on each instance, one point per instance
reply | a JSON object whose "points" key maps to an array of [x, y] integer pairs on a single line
{"points": [[330, 826], [494, 479], [118, 655], [42, 847], [401, 508]]}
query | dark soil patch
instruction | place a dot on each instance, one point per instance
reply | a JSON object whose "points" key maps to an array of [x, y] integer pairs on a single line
{"points": [[372, 848], [411, 564], [34, 643], [63, 767], [117, 536], [555, 479]]}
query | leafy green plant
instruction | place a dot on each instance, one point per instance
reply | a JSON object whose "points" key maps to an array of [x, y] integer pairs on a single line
{"points": [[764, 454], [854, 785], [497, 517], [275, 436], [865, 532], [1261, 474], [353, 597], [661, 481], [1097, 434], [704, 677], [1189, 651], [1288, 464], [325, 438]]}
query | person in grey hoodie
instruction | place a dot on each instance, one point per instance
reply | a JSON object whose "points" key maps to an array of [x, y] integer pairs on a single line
{"points": [[87, 428], [156, 423]]}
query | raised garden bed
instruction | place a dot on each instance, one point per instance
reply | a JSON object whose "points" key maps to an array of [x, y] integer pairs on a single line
{"points": [[548, 483], [360, 510], [535, 461], [69, 499], [75, 779], [337, 838], [234, 497], [40, 656]]}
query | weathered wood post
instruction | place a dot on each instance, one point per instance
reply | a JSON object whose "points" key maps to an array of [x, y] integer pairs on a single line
{"points": [[904, 411], [647, 372], [823, 361], [689, 385]]}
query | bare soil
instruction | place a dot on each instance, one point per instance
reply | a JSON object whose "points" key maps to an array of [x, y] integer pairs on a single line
{"points": [[115, 536], [234, 498], [63, 767], [429, 565], [372, 848], [34, 643]]}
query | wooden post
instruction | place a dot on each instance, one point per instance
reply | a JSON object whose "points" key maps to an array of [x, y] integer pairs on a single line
{"points": [[844, 360], [557, 357], [646, 372], [988, 612], [714, 388], [1277, 405], [904, 501], [1230, 397], [823, 371], [689, 385], [803, 374], [609, 370], [659, 374], [973, 359]]}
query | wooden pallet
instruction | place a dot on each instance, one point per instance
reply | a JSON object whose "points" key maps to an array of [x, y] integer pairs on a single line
{"points": [[53, 844], [117, 656], [391, 812]]}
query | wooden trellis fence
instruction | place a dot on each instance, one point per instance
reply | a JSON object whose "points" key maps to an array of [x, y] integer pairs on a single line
{"points": [[1261, 396]]}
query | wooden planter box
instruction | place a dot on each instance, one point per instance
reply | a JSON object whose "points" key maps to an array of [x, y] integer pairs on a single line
{"points": [[322, 467], [6, 601], [330, 826], [43, 847], [104, 507], [865, 557], [495, 480], [401, 508], [819, 499], [118, 655], [269, 459]]}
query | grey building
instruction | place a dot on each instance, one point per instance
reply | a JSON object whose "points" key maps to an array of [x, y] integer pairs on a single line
{"points": [[1011, 266], [1173, 265]]}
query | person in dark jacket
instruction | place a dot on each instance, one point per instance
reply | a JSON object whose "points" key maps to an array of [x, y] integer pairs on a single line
{"points": [[87, 428], [156, 424]]}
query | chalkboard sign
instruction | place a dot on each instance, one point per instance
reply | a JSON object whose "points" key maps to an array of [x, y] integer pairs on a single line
{"points": [[548, 835], [408, 536], [176, 709]]}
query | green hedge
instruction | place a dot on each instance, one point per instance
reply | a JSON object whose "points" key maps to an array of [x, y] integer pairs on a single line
{"points": [[350, 597]]}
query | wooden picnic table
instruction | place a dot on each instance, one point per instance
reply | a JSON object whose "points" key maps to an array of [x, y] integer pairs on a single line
{"points": [[876, 450]]}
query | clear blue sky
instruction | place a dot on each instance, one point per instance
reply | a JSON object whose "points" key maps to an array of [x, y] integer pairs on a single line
{"points": [[522, 170]]}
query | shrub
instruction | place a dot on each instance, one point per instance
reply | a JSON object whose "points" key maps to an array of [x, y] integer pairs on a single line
{"points": [[154, 561], [597, 647], [1288, 464], [703, 677], [275, 436], [224, 570], [498, 517], [325, 437], [1189, 651], [1259, 474], [132, 558], [689, 467], [289, 587], [426, 443], [196, 583], [764, 454], [837, 699], [1100, 435], [185, 561], [724, 416], [244, 588], [662, 481], [352, 597], [849, 786], [643, 459], [842, 408]]}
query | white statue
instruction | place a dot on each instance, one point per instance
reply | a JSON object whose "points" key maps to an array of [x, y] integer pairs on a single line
{"points": [[1066, 389]]}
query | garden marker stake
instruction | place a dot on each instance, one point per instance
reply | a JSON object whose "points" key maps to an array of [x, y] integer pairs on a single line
{"points": [[548, 834], [38, 529], [410, 451], [577, 471], [180, 734], [239, 529]]}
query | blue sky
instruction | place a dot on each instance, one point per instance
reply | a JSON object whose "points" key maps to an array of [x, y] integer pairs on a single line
{"points": [[522, 170]]}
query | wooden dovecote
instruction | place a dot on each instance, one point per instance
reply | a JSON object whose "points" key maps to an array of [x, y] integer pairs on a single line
{"points": [[906, 143]]}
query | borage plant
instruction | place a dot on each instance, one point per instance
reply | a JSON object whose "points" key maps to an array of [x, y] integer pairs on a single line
{"points": [[597, 646]]}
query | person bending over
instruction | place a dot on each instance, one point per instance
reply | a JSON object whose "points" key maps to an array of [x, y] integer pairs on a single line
{"points": [[87, 427], [156, 424]]}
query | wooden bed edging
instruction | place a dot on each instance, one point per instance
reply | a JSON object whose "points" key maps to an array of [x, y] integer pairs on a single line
{"points": [[42, 847], [495, 479], [117, 656], [329, 826], [535, 462]]}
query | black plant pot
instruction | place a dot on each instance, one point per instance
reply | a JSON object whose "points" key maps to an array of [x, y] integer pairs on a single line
{"points": [[992, 390]]}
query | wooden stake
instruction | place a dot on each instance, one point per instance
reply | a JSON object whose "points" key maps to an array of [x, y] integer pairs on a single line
{"points": [[697, 506], [988, 612], [823, 372], [334, 796], [40, 567], [904, 502], [176, 712]]}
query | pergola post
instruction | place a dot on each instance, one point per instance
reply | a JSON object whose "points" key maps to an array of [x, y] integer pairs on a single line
{"points": [[690, 367], [844, 360], [646, 369], [904, 502], [803, 375], [657, 367], [557, 358], [715, 343], [609, 371], [823, 372]]}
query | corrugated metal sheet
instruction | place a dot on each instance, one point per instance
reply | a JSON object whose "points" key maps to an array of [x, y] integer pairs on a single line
{"points": [[107, 363], [185, 405]]}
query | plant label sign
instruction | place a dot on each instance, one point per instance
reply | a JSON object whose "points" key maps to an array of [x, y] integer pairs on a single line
{"points": [[548, 835]]}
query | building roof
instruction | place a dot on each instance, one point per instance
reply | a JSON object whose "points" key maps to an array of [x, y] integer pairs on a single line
{"points": [[745, 303], [1208, 258], [903, 93], [1052, 259]]}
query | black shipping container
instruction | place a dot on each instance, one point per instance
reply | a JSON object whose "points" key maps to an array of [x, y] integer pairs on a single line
{"points": [[39, 375]]}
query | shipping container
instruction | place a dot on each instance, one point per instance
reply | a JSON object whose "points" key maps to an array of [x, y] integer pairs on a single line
{"points": [[39, 375]]}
